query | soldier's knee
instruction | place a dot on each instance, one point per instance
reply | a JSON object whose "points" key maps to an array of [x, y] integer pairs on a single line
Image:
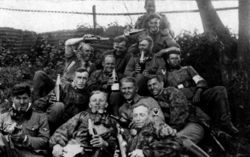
{"points": [[39, 73], [220, 90], [58, 106], [55, 109]]}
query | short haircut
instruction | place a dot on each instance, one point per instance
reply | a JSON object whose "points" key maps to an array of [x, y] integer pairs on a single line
{"points": [[139, 105], [120, 39], [157, 77], [129, 79], [82, 45], [149, 39], [173, 50], [152, 16], [147, 1], [99, 92], [22, 88], [81, 70], [108, 55]]}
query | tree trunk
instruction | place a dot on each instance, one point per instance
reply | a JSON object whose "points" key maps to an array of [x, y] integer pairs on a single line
{"points": [[231, 76], [213, 25], [244, 33], [244, 47]]}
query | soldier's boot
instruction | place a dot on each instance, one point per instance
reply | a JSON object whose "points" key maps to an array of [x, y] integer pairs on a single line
{"points": [[194, 149], [227, 125]]}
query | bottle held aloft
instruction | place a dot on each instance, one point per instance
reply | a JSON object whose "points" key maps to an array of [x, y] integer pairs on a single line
{"points": [[115, 86]]}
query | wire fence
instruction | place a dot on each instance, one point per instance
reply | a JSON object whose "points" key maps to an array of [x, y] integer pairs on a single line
{"points": [[107, 14]]}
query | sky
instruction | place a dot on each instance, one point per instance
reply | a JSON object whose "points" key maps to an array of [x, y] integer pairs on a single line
{"points": [[47, 22]]}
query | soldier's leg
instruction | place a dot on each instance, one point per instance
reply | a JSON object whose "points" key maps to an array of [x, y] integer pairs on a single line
{"points": [[7, 149], [191, 134], [115, 100], [55, 112], [42, 84], [27, 153], [192, 131], [142, 85], [219, 107]]}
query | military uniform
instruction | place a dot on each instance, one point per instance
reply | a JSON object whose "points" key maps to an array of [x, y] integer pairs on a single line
{"points": [[151, 66], [147, 140], [77, 129], [32, 124], [162, 40], [72, 101], [120, 61], [214, 101], [142, 22], [99, 80], [156, 114], [180, 115], [43, 84]]}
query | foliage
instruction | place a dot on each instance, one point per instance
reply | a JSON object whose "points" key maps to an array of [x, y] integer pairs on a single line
{"points": [[199, 50]]}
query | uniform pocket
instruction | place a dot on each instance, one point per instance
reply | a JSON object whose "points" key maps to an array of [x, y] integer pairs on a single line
{"points": [[32, 130]]}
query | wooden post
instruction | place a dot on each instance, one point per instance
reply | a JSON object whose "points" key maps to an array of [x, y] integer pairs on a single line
{"points": [[94, 17]]}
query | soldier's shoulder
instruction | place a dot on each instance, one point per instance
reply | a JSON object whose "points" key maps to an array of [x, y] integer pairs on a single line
{"points": [[37, 113], [148, 101], [165, 33], [186, 67], [5, 113], [96, 72]]}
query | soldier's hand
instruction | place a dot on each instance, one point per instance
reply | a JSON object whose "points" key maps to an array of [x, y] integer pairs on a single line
{"points": [[137, 68], [86, 36], [197, 95], [52, 98], [110, 81], [57, 151], [166, 130], [159, 54], [98, 141], [145, 73], [136, 153], [19, 138]]}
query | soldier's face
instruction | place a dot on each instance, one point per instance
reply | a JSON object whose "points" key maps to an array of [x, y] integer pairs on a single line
{"points": [[174, 60], [144, 46], [120, 48], [98, 103], [128, 90], [154, 25], [155, 87], [108, 64], [85, 53], [150, 7], [80, 79], [21, 102], [140, 116]]}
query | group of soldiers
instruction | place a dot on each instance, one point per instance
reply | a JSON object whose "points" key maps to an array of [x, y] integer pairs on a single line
{"points": [[142, 102]]}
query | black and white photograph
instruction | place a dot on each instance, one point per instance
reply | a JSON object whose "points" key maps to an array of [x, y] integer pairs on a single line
{"points": [[124, 78]]}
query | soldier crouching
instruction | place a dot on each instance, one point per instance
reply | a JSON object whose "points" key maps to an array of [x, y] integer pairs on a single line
{"points": [[89, 133]]}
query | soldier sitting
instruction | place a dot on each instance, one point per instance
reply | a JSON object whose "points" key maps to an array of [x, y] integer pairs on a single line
{"points": [[92, 129], [78, 54], [107, 80], [143, 140], [178, 112], [73, 98], [23, 132], [141, 65], [213, 101]]}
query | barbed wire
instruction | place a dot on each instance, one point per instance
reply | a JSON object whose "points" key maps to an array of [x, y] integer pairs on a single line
{"points": [[109, 14]]}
